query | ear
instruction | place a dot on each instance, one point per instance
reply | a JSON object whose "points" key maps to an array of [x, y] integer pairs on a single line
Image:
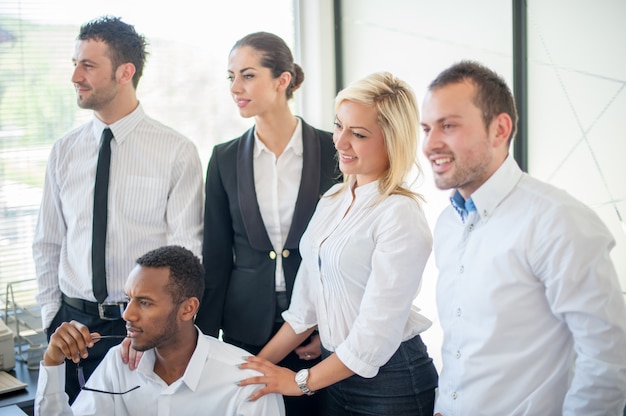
{"points": [[125, 72], [502, 126], [188, 309], [284, 80]]}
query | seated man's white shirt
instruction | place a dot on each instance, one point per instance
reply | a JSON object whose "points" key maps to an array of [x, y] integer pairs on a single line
{"points": [[208, 387]]}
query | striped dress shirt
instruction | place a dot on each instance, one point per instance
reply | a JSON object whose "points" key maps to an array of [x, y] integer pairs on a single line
{"points": [[155, 198]]}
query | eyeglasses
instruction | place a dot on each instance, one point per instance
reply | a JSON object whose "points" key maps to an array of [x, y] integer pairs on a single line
{"points": [[109, 337], [81, 375]]}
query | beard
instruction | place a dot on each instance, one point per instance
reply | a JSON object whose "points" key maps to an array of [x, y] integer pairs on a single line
{"points": [[469, 171], [168, 331], [98, 99]]}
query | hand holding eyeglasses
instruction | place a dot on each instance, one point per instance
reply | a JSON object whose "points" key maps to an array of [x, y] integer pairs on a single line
{"points": [[71, 340]]}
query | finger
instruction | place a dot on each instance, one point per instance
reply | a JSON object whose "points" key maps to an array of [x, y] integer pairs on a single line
{"points": [[260, 367], [301, 350], [255, 363], [85, 334], [258, 394], [125, 350], [135, 357], [307, 354], [251, 380], [68, 347], [95, 337], [71, 339]]}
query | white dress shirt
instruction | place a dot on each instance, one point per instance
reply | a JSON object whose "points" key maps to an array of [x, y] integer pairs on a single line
{"points": [[361, 270], [277, 182], [533, 316], [208, 387], [155, 199]]}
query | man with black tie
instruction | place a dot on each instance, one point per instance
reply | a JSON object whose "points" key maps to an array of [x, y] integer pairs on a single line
{"points": [[116, 187]]}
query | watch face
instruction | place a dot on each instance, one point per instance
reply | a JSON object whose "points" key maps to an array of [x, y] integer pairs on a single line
{"points": [[302, 376]]}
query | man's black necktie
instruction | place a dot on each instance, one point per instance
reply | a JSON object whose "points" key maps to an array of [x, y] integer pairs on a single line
{"points": [[100, 202]]}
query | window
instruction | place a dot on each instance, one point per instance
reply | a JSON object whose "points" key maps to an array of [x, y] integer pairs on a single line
{"points": [[577, 100], [184, 86]]}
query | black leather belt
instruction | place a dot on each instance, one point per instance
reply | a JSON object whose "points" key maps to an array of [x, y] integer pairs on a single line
{"points": [[109, 311]]}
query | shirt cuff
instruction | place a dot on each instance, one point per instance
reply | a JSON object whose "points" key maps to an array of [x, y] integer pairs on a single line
{"points": [[354, 363], [51, 378], [298, 327]]}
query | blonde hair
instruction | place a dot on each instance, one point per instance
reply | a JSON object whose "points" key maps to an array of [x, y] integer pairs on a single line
{"points": [[398, 118]]}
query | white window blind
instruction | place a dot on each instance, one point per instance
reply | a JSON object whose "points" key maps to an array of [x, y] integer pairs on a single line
{"points": [[184, 86]]}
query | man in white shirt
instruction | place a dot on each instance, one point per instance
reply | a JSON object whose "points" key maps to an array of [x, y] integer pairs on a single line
{"points": [[531, 308], [182, 371], [154, 195]]}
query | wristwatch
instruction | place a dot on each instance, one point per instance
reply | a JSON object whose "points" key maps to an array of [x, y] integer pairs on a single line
{"points": [[302, 377]]}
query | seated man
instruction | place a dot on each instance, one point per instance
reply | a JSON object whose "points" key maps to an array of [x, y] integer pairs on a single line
{"points": [[181, 369]]}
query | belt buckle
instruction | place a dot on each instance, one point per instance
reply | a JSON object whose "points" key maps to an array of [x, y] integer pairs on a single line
{"points": [[111, 311]]}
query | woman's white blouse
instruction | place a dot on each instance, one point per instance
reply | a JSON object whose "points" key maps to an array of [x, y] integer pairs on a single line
{"points": [[361, 270]]}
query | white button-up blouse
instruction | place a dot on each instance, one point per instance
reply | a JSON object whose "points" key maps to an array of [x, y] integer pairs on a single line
{"points": [[361, 270]]}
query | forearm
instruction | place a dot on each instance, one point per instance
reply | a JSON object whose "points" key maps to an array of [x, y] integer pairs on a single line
{"points": [[281, 344], [328, 372]]}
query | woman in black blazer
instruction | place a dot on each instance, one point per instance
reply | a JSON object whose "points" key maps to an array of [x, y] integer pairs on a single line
{"points": [[261, 191]]}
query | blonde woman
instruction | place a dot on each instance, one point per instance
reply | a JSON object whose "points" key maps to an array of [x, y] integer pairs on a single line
{"points": [[363, 255]]}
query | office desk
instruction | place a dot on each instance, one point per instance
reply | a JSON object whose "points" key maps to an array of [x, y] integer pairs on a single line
{"points": [[24, 398]]}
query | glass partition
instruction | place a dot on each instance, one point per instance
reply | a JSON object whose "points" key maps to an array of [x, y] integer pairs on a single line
{"points": [[577, 100]]}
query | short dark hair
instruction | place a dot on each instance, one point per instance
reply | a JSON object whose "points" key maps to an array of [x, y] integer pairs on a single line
{"points": [[186, 271], [275, 55], [493, 95], [125, 44]]}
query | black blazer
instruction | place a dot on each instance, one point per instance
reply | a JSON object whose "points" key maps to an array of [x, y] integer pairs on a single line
{"points": [[239, 261]]}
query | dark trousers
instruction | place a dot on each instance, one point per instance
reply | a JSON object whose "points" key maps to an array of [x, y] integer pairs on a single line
{"points": [[294, 406], [99, 350]]}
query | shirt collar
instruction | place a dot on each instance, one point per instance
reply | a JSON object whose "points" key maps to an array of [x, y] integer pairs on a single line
{"points": [[196, 364], [368, 190], [491, 194], [461, 206], [122, 128], [295, 143], [194, 369]]}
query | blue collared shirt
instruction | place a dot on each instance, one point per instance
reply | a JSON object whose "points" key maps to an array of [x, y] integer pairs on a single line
{"points": [[461, 206], [530, 304]]}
